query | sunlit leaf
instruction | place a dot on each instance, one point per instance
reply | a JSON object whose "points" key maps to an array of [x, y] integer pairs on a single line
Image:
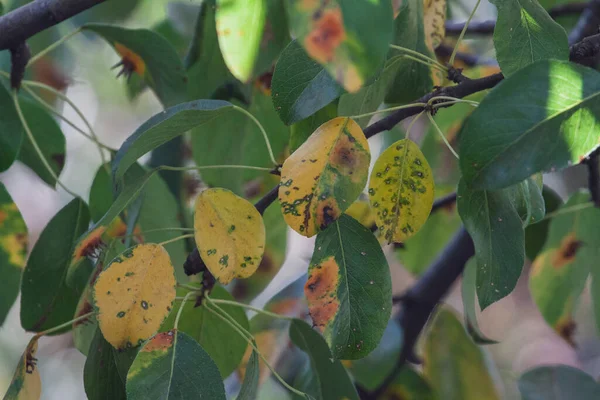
{"points": [[558, 382], [469, 303], [324, 176], [409, 385], [275, 36], [13, 248], [230, 234], [401, 191], [453, 364], [349, 289], [172, 365], [46, 298], [240, 26], [134, 295], [26, 383], [545, 118], [9, 122]]}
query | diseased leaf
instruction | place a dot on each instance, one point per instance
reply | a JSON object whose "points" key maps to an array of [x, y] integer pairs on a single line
{"points": [[544, 119], [249, 390], [453, 364], [172, 365], [46, 298], [134, 294], [349, 289], [26, 383], [10, 125], [361, 211], [211, 332], [409, 385], [350, 38], [401, 191], [494, 224], [149, 55], [240, 26], [13, 249], [230, 234], [300, 86], [558, 382], [324, 176], [525, 33], [469, 303], [434, 13], [328, 377]]}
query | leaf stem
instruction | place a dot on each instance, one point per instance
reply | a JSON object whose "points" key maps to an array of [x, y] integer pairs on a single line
{"points": [[414, 120], [201, 167], [64, 325], [462, 33], [425, 62], [568, 210], [36, 146], [191, 235], [262, 130], [189, 287], [437, 128], [388, 109], [179, 312], [53, 46], [249, 307], [421, 55]]}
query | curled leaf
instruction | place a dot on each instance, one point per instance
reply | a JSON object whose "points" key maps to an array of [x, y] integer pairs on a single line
{"points": [[26, 383]]}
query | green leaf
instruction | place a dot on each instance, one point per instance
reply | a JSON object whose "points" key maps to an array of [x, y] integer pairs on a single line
{"points": [[300, 86], [101, 193], [329, 378], [371, 371], [409, 385], [544, 119], [525, 33], [172, 365], [249, 390], [301, 130], [453, 364], [13, 249], [528, 200], [106, 369], [162, 127], [11, 128], [153, 58], [558, 274], [494, 224], [349, 38], [211, 332], [46, 299], [48, 136], [558, 382], [535, 235], [240, 26], [275, 37], [469, 303], [349, 289]]}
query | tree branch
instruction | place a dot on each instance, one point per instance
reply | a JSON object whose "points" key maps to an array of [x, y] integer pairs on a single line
{"points": [[593, 164], [587, 24]]}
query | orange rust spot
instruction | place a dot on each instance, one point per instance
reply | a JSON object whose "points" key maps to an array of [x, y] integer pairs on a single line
{"points": [[321, 292], [87, 308], [327, 212], [344, 157], [565, 254], [3, 216], [566, 329], [131, 60], [161, 341], [327, 35], [88, 246]]}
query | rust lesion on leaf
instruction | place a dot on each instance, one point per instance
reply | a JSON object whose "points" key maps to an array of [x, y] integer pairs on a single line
{"points": [[130, 61], [321, 292], [327, 212], [566, 327], [326, 35], [567, 251], [89, 245], [160, 341]]}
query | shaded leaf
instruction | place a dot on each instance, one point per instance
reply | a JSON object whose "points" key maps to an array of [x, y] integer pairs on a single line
{"points": [[409, 385], [324, 176], [349, 289], [230, 234], [275, 37], [249, 390], [301, 130], [46, 298], [134, 294], [85, 330], [545, 120], [468, 293], [101, 193], [453, 364], [535, 235], [13, 133], [13, 249], [401, 191], [301, 87], [26, 383], [558, 382]]}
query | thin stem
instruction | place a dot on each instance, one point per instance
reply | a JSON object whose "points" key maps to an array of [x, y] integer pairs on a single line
{"points": [[68, 323], [182, 298], [262, 130], [201, 167], [462, 33], [453, 99], [437, 128], [249, 307], [53, 46], [421, 55], [568, 210], [415, 119], [189, 287], [388, 109], [179, 312], [36, 146], [425, 62], [191, 235]]}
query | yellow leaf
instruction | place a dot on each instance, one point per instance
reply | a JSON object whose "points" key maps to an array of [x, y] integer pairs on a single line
{"points": [[26, 383], [230, 234], [134, 295], [361, 211], [434, 12], [401, 191], [324, 176]]}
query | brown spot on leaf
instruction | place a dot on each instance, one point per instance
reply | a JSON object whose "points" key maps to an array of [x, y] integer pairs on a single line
{"points": [[59, 159], [3, 217], [326, 36], [161, 341], [327, 212], [566, 329], [567, 251], [321, 292], [87, 247]]}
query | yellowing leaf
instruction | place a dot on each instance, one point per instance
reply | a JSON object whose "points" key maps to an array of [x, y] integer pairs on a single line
{"points": [[401, 191], [26, 383], [434, 13], [324, 176], [230, 234], [361, 211], [134, 295]]}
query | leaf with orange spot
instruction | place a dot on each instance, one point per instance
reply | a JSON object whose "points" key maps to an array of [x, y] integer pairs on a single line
{"points": [[13, 249], [434, 13], [26, 383], [171, 366], [324, 176], [134, 295], [333, 33], [401, 191], [349, 290]]}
